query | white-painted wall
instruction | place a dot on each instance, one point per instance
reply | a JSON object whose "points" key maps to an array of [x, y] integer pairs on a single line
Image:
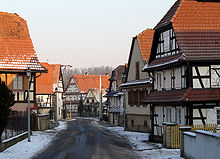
{"points": [[167, 74], [202, 145], [136, 56]]}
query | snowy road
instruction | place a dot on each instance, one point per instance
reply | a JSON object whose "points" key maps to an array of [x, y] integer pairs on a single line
{"points": [[83, 140]]}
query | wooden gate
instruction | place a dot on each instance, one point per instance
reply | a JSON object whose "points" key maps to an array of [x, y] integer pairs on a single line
{"points": [[175, 132]]}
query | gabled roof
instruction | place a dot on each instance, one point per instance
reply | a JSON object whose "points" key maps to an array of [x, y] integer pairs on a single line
{"points": [[46, 81], [145, 40], [193, 15], [86, 82], [16, 48], [196, 26]]}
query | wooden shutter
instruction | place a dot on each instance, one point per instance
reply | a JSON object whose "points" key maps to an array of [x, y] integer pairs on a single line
{"points": [[141, 96], [137, 71], [130, 101]]}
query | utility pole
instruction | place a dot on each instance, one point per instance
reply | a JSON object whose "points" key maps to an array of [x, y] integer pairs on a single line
{"points": [[100, 98]]}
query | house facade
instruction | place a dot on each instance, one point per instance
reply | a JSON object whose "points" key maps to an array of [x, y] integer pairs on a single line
{"points": [[17, 55], [185, 66], [91, 103], [77, 90], [49, 92], [116, 96], [138, 83]]}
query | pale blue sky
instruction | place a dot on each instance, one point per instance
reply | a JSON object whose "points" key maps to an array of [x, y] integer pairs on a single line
{"points": [[86, 33]]}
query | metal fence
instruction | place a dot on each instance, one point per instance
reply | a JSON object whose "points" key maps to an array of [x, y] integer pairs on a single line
{"points": [[17, 124]]}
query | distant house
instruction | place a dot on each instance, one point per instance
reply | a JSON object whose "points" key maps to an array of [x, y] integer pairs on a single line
{"points": [[185, 66], [91, 103], [77, 90], [46, 86], [138, 83], [115, 96], [17, 54]]}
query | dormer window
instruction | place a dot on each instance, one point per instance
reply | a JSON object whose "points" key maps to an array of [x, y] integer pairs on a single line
{"points": [[167, 44]]}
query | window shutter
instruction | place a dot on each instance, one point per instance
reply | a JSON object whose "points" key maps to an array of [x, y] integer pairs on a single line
{"points": [[130, 98], [137, 71]]}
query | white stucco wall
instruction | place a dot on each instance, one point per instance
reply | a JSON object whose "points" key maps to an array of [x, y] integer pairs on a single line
{"points": [[202, 145], [136, 56]]}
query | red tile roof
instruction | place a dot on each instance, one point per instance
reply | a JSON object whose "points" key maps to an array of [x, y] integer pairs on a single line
{"points": [[16, 48], [197, 28], [183, 96], [192, 15], [86, 82], [45, 83], [145, 40]]}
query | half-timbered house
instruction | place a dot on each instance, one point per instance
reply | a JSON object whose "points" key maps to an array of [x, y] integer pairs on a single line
{"points": [[77, 90], [185, 65], [138, 83], [49, 91], [115, 96], [17, 55]]}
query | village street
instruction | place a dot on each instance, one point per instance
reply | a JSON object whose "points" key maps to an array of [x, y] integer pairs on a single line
{"points": [[82, 139]]}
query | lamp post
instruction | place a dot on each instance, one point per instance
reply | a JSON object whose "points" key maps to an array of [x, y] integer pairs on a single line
{"points": [[28, 73], [56, 91]]}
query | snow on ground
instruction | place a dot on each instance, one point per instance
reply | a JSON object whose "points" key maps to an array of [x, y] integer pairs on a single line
{"points": [[140, 143], [39, 141]]}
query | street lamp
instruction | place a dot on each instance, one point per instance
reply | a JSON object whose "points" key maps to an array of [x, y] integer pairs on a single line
{"points": [[56, 91], [28, 73]]}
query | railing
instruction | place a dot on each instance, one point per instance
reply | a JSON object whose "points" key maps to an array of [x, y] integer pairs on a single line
{"points": [[17, 124], [175, 132]]}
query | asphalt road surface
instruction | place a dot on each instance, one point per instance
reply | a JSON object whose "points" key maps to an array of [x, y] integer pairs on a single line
{"points": [[84, 140]]}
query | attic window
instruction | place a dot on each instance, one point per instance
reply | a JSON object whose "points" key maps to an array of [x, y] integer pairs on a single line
{"points": [[167, 44]]}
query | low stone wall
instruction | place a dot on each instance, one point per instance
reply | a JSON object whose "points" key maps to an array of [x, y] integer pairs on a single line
{"points": [[201, 144], [43, 122], [12, 141]]}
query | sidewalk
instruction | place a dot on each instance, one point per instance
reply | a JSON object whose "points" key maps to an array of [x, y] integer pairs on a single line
{"points": [[39, 141], [139, 143]]}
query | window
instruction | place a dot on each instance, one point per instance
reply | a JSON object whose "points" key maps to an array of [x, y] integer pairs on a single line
{"points": [[142, 95], [87, 101], [183, 77], [159, 82], [92, 100], [135, 94], [172, 78], [167, 44], [168, 115], [178, 115], [137, 71], [218, 116], [18, 82]]}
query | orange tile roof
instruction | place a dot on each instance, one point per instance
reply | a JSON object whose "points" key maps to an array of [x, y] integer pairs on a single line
{"points": [[197, 16], [44, 83], [86, 82], [193, 15], [145, 40], [16, 48]]}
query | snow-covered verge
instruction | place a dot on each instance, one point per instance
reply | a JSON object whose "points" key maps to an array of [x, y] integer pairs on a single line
{"points": [[140, 144], [39, 141]]}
